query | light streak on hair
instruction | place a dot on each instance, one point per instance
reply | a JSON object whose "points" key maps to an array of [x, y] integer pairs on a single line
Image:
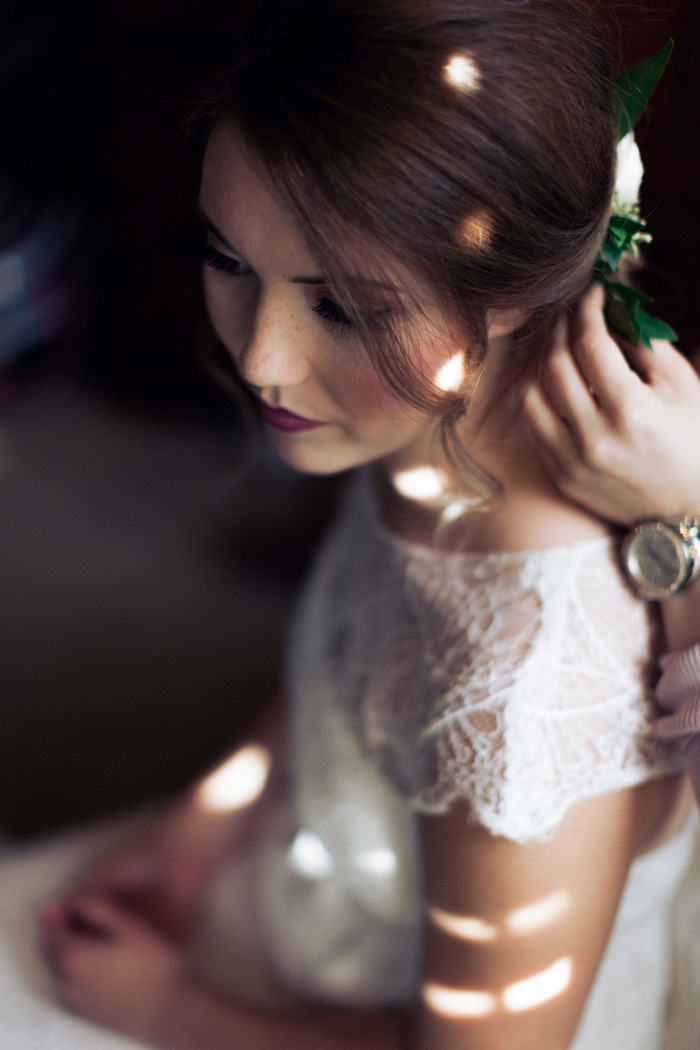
{"points": [[451, 375], [462, 72], [476, 230]]}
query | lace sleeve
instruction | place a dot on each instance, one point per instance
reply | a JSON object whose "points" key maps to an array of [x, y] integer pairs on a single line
{"points": [[519, 682], [551, 703]]}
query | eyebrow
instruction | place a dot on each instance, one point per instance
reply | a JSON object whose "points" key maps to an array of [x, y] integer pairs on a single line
{"points": [[304, 279]]}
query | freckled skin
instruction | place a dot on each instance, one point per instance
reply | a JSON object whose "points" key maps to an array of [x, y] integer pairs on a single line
{"points": [[285, 352]]}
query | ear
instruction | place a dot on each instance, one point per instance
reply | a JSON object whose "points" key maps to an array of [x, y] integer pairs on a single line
{"points": [[505, 322]]}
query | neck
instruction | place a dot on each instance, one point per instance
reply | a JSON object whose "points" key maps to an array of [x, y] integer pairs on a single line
{"points": [[529, 512], [489, 432], [417, 482]]}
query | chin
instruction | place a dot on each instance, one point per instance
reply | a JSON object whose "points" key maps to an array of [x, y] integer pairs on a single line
{"points": [[303, 456]]}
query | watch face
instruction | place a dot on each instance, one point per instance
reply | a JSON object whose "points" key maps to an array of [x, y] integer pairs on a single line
{"points": [[655, 560]]}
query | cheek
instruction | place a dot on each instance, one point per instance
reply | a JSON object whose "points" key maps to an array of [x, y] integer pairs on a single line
{"points": [[359, 387], [370, 392]]}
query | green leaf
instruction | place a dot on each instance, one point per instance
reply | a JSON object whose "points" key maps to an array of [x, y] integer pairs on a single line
{"points": [[602, 270], [652, 328], [612, 255], [625, 317], [619, 239], [632, 297], [635, 86], [622, 229], [619, 319], [616, 238]]}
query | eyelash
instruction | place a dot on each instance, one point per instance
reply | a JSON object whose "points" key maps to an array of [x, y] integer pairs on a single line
{"points": [[330, 311], [325, 308], [223, 263]]}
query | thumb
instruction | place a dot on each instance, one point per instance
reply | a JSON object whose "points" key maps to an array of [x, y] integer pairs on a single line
{"points": [[98, 917]]}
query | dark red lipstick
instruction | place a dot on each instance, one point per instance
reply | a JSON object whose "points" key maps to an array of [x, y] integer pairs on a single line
{"points": [[283, 419]]}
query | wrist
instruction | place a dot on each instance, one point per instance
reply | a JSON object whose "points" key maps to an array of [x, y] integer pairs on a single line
{"points": [[681, 617]]}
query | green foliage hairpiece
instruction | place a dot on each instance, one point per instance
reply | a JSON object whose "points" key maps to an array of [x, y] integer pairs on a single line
{"points": [[624, 306], [635, 86]]}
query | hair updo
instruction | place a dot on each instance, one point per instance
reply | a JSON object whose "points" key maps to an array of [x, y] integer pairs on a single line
{"points": [[472, 140]]}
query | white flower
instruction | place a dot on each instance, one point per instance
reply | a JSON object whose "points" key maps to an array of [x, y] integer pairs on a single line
{"points": [[630, 171]]}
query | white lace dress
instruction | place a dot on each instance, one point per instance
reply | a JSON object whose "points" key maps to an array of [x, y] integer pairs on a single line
{"points": [[518, 682]]}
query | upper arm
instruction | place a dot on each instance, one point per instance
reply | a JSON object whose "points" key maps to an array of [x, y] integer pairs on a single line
{"points": [[515, 933]]}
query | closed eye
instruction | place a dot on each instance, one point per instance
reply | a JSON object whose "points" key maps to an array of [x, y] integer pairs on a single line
{"points": [[333, 312], [210, 256]]}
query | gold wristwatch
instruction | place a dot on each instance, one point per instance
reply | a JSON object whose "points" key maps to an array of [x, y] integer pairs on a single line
{"points": [[660, 558]]}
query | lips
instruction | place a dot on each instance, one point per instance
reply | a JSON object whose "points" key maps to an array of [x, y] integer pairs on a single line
{"points": [[283, 419]]}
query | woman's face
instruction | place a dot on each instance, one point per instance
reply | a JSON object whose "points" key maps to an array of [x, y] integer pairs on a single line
{"points": [[324, 407]]}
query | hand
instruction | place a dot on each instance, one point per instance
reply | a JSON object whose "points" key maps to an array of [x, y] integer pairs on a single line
{"points": [[111, 968], [161, 877], [156, 878], [623, 445]]}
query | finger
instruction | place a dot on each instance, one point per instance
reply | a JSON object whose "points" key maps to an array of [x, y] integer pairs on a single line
{"points": [[151, 901], [57, 919], [134, 885], [51, 914], [546, 425], [597, 355], [99, 915], [128, 874], [567, 388], [82, 918], [55, 937]]}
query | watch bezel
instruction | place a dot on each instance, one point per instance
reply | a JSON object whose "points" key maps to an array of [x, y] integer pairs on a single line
{"points": [[635, 538]]}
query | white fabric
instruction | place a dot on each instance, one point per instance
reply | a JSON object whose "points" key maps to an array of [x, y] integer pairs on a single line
{"points": [[633, 993]]}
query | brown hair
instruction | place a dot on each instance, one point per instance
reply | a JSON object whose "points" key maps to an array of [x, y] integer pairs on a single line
{"points": [[472, 140]]}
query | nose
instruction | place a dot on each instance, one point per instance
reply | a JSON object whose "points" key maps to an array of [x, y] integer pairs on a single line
{"points": [[275, 351]]}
